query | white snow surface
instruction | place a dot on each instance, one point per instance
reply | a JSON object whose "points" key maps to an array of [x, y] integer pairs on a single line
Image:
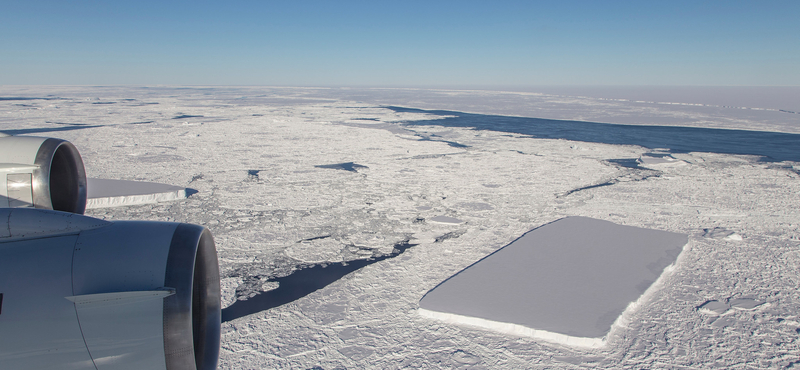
{"points": [[251, 153]]}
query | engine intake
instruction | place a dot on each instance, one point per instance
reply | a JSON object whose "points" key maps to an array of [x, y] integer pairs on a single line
{"points": [[80, 292], [43, 173]]}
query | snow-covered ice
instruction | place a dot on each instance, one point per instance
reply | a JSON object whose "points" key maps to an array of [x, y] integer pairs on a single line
{"points": [[515, 162]]}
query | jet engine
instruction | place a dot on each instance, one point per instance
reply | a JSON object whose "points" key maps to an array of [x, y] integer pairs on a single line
{"points": [[43, 173], [82, 293]]}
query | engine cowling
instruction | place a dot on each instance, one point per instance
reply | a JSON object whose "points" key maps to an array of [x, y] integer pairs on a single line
{"points": [[41, 172], [82, 293]]}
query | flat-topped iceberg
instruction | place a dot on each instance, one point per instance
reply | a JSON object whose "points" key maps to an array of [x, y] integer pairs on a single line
{"points": [[567, 281], [104, 193]]}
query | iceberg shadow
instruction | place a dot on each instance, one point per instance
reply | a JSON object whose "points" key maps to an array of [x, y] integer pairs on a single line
{"points": [[347, 166], [39, 130], [301, 283]]}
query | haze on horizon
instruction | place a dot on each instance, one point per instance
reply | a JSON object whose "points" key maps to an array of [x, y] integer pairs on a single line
{"points": [[411, 43]]}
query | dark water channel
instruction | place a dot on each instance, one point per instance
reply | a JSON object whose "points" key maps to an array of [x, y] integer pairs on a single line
{"points": [[775, 146]]}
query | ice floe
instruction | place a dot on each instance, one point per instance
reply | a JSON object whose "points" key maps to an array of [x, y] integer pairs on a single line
{"points": [[445, 220]]}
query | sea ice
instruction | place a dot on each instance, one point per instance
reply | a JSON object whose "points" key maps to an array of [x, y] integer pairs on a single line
{"points": [[532, 157]]}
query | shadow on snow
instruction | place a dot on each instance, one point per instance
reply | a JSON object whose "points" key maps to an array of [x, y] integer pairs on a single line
{"points": [[15, 132], [302, 283]]}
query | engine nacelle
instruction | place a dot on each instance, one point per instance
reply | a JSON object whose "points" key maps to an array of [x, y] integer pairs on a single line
{"points": [[41, 172], [82, 293]]}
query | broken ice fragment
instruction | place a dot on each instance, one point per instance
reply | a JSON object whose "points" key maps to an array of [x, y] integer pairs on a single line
{"points": [[745, 303], [713, 307], [721, 233], [446, 220], [649, 159]]}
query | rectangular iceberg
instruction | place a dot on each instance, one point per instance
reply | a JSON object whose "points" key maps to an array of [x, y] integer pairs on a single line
{"points": [[567, 281]]}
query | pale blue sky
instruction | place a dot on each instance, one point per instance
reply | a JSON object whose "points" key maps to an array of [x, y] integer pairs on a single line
{"points": [[400, 43]]}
